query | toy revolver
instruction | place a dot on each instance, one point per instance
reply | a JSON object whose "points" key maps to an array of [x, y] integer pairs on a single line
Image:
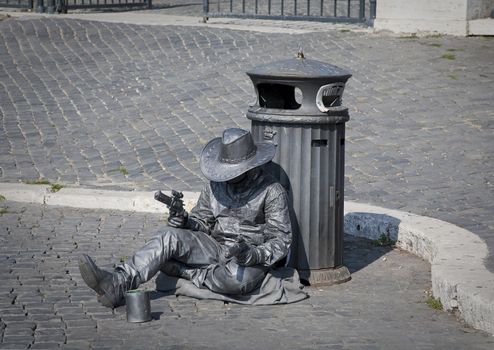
{"points": [[174, 203]]}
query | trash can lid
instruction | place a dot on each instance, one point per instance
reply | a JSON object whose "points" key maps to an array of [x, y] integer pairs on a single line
{"points": [[299, 68]]}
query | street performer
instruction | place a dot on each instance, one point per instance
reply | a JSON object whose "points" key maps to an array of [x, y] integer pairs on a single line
{"points": [[239, 228]]}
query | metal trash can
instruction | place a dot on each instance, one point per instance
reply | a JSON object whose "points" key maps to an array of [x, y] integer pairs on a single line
{"points": [[298, 108]]}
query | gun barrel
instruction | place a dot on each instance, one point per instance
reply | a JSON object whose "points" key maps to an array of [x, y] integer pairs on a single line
{"points": [[163, 198]]}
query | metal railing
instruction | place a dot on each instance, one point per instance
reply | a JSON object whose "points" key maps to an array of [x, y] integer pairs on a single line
{"points": [[86, 4], [52, 6], [352, 11], [27, 4]]}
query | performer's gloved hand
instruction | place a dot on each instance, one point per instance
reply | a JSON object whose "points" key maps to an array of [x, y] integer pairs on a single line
{"points": [[177, 221], [249, 255]]}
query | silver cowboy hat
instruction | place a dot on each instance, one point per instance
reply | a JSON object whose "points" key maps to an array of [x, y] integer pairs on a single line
{"points": [[225, 158]]}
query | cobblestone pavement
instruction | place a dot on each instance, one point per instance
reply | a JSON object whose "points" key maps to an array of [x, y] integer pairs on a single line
{"points": [[124, 106], [44, 304]]}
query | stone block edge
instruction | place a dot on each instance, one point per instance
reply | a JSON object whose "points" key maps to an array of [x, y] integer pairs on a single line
{"points": [[458, 274]]}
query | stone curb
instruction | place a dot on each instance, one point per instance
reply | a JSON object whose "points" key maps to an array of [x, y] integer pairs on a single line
{"points": [[459, 278], [458, 274], [138, 201]]}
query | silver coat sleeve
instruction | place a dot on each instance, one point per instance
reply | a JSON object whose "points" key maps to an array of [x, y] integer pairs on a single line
{"points": [[278, 231]]}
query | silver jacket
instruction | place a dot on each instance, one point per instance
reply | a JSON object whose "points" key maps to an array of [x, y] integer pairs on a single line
{"points": [[256, 209]]}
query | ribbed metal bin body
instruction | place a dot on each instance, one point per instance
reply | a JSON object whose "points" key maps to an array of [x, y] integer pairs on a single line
{"points": [[298, 108], [310, 163]]}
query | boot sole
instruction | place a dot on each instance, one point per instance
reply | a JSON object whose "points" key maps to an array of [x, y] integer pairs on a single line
{"points": [[87, 268], [105, 301]]}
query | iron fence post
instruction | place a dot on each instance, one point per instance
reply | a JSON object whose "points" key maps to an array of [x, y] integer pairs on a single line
{"points": [[205, 10], [50, 8], [39, 6], [362, 9], [372, 9], [150, 4]]}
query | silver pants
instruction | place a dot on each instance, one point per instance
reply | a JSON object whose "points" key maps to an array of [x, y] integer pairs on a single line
{"points": [[202, 256]]}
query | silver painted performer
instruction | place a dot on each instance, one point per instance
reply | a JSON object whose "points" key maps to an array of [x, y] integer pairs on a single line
{"points": [[239, 228]]}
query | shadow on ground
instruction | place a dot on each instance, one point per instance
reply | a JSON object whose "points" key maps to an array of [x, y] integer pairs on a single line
{"points": [[360, 252]]}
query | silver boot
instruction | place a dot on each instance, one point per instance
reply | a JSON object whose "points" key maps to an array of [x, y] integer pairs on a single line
{"points": [[110, 287]]}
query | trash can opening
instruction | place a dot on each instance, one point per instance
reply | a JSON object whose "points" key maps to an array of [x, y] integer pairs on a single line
{"points": [[279, 96], [329, 96]]}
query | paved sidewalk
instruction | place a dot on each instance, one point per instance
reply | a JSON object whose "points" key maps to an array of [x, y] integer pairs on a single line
{"points": [[130, 106], [44, 303]]}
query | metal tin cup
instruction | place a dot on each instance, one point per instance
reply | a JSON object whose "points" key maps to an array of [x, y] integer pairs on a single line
{"points": [[138, 306]]}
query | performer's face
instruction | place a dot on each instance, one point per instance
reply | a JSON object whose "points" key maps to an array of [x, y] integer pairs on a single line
{"points": [[237, 179]]}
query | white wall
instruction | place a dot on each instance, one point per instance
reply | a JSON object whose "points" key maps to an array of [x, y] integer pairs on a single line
{"points": [[430, 16], [442, 16]]}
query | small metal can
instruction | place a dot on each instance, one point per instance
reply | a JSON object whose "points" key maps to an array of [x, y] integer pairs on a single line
{"points": [[138, 306]]}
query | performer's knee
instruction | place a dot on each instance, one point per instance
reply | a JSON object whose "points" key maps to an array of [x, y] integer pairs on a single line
{"points": [[172, 234]]}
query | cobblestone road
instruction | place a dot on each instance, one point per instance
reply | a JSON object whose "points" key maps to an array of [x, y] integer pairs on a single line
{"points": [[44, 304], [123, 106]]}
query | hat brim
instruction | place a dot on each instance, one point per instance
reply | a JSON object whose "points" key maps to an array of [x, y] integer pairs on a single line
{"points": [[218, 171]]}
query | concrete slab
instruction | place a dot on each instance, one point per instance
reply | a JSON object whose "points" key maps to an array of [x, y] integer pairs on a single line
{"points": [[484, 26]]}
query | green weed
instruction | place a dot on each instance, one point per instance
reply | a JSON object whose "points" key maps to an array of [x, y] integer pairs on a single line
{"points": [[434, 303], [123, 170], [449, 56], [39, 181], [56, 187], [383, 241], [2, 198], [436, 35]]}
